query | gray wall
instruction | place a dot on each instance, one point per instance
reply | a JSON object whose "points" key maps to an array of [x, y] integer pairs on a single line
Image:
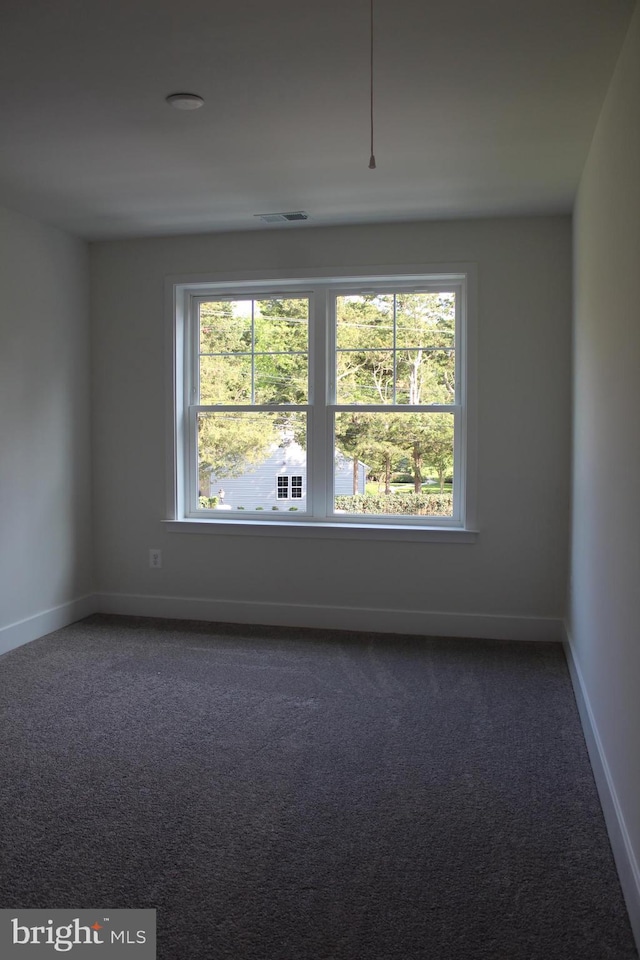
{"points": [[45, 518], [605, 564], [518, 565]]}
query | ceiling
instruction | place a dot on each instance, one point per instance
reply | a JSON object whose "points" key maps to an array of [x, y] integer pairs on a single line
{"points": [[483, 107]]}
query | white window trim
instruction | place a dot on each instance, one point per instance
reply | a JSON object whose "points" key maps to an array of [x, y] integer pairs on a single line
{"points": [[177, 288]]}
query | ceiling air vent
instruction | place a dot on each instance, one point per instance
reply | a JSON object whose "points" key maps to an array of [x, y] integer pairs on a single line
{"points": [[282, 217]]}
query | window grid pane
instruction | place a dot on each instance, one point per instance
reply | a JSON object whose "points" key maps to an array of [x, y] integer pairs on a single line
{"points": [[253, 351], [244, 457], [394, 463], [397, 349]]}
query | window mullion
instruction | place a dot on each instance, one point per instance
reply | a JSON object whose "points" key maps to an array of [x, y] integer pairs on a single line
{"points": [[253, 351], [395, 340], [192, 467], [192, 398], [319, 460], [459, 485], [193, 356]]}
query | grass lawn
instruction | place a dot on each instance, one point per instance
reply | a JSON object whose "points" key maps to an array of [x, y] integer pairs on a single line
{"points": [[374, 489]]}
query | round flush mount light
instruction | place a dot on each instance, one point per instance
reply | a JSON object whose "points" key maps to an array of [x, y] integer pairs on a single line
{"points": [[185, 101]]}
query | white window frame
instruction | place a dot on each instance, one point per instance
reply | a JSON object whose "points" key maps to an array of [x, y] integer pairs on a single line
{"points": [[182, 293]]}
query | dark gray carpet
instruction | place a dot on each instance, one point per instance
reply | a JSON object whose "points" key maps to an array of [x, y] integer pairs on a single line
{"points": [[291, 794]]}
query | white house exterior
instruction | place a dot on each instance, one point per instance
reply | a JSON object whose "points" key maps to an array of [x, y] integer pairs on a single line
{"points": [[279, 481]]}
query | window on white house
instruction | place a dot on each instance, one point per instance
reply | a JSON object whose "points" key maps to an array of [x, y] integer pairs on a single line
{"points": [[351, 394], [289, 487], [283, 488]]}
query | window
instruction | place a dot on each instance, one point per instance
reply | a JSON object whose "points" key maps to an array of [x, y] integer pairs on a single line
{"points": [[283, 488], [346, 397]]}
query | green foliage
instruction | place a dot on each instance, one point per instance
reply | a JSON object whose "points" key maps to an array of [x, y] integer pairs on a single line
{"points": [[232, 443], [396, 349], [254, 351], [223, 329], [281, 350], [387, 441], [250, 352], [208, 503], [407, 504], [428, 438]]}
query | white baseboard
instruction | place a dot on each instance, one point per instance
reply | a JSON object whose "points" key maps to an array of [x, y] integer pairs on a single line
{"points": [[416, 622], [623, 852], [24, 631]]}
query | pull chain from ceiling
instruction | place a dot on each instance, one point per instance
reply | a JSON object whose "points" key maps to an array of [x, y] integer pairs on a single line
{"points": [[372, 159]]}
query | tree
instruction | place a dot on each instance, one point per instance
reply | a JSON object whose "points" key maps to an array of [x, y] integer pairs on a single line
{"points": [[439, 448], [371, 438], [281, 350], [351, 440], [428, 438], [246, 356], [230, 444], [396, 350], [384, 445], [364, 339]]}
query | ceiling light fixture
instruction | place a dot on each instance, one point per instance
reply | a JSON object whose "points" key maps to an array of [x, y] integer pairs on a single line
{"points": [[372, 159], [185, 101]]}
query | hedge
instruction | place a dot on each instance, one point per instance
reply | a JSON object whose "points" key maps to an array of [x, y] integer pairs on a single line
{"points": [[410, 504]]}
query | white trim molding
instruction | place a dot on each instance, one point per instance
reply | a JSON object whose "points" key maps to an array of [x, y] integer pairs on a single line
{"points": [[323, 531], [623, 853], [31, 628], [369, 619]]}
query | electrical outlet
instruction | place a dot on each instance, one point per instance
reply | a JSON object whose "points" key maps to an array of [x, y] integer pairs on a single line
{"points": [[155, 558]]}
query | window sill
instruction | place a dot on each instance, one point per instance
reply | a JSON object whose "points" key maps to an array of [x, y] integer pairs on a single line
{"points": [[323, 530]]}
